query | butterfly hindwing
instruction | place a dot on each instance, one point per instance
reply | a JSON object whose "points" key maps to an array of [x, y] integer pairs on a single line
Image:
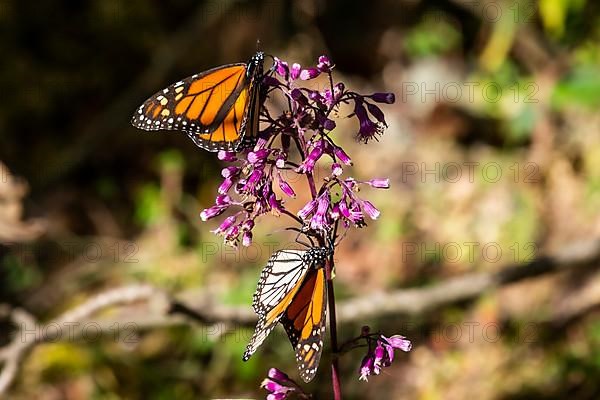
{"points": [[291, 289], [304, 321]]}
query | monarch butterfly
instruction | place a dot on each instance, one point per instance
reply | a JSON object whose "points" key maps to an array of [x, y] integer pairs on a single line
{"points": [[291, 290], [218, 108]]}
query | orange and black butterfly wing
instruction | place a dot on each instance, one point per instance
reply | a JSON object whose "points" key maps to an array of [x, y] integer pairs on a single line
{"points": [[197, 103], [304, 322], [212, 107], [230, 133], [278, 284]]}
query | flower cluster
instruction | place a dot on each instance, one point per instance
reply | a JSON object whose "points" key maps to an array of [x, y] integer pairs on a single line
{"points": [[381, 354], [302, 132], [280, 386]]}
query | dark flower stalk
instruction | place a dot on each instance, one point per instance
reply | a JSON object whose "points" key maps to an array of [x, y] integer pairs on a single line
{"points": [[298, 141]]}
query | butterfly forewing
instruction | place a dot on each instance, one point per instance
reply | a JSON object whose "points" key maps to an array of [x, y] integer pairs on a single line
{"points": [[283, 270], [214, 108], [194, 103], [278, 283]]}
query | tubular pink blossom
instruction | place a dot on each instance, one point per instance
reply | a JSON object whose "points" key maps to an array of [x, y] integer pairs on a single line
{"points": [[258, 156], [225, 186], [341, 155], [366, 368], [286, 188], [336, 169], [295, 71], [229, 171], [307, 209], [228, 156], [309, 73], [247, 239], [225, 225], [399, 342], [387, 98], [379, 183], [370, 209], [211, 212]]}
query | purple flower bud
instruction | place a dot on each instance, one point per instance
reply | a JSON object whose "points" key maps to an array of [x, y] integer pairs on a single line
{"points": [[280, 160], [286, 188], [277, 374], [315, 96], [387, 98], [232, 233], [379, 354], [295, 71], [261, 143], [370, 209], [258, 156], [229, 171], [228, 156], [366, 368], [247, 239], [344, 209], [335, 212], [328, 124], [225, 186], [398, 342], [311, 160], [341, 155], [225, 225], [277, 396], [319, 220], [324, 64], [281, 68], [376, 112], [336, 169], [253, 179], [247, 225], [309, 73], [223, 200], [273, 387], [368, 129], [307, 209], [211, 212], [379, 183]]}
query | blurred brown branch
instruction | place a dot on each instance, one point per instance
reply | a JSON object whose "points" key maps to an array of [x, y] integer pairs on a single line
{"points": [[147, 307], [12, 228]]}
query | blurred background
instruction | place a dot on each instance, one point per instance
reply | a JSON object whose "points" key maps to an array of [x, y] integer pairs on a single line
{"points": [[494, 158]]}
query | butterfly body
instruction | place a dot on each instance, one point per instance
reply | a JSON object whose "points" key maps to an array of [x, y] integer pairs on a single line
{"points": [[292, 290], [218, 109]]}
